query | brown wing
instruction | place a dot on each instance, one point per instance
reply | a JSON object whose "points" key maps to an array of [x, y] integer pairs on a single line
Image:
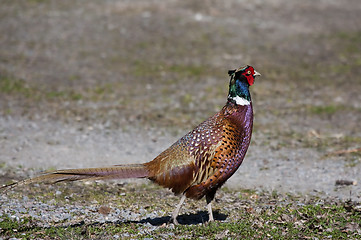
{"points": [[182, 164], [228, 155]]}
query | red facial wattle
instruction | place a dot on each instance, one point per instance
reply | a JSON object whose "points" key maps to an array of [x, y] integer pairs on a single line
{"points": [[249, 73], [250, 79]]}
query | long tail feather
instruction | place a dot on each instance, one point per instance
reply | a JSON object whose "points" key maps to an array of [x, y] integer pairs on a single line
{"points": [[114, 172]]}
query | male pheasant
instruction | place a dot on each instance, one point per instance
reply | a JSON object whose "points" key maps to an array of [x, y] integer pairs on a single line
{"points": [[197, 164]]}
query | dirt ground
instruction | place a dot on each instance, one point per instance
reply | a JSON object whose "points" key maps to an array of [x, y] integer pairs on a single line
{"points": [[95, 83]]}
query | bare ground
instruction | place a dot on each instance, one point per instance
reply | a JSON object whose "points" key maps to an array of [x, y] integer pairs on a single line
{"points": [[94, 83]]}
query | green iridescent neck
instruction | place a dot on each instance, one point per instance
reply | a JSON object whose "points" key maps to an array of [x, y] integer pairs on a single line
{"points": [[239, 91]]}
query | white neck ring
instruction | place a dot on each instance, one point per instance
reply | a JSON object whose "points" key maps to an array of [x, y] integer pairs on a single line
{"points": [[240, 100]]}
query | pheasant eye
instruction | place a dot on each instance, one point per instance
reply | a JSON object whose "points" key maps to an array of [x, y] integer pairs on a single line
{"points": [[249, 72]]}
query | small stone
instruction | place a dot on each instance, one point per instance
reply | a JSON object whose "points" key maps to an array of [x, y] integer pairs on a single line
{"points": [[345, 182], [104, 210]]}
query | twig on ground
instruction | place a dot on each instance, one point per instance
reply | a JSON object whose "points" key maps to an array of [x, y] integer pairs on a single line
{"points": [[346, 151]]}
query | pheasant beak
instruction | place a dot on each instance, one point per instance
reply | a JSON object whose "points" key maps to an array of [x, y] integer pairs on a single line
{"points": [[256, 74]]}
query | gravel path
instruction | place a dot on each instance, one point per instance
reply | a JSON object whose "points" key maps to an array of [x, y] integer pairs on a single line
{"points": [[55, 145]]}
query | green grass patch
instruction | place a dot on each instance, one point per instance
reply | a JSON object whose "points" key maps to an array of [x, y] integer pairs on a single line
{"points": [[289, 222], [9, 85], [328, 109], [66, 95], [351, 41], [248, 215], [19, 88], [189, 70]]}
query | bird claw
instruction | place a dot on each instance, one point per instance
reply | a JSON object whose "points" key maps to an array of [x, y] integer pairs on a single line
{"points": [[174, 221]]}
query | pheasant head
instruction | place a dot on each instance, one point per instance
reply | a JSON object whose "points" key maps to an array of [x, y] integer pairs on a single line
{"points": [[241, 79]]}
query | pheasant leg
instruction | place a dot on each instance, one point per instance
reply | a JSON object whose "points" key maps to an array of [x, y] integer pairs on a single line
{"points": [[210, 213], [176, 211], [209, 199]]}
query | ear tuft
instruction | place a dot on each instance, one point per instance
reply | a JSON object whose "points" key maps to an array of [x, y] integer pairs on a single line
{"points": [[230, 72]]}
